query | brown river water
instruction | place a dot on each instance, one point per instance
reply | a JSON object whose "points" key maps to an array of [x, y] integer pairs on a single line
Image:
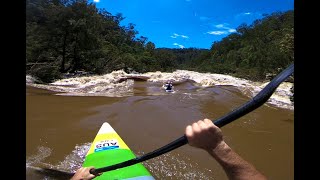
{"points": [[59, 129]]}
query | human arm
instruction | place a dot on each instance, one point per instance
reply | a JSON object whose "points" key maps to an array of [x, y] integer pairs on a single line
{"points": [[83, 174], [205, 135]]}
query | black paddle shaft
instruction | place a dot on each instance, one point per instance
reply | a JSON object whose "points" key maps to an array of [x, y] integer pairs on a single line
{"points": [[251, 105]]}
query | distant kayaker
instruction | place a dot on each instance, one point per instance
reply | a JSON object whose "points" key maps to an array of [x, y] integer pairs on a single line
{"points": [[207, 136], [168, 86]]}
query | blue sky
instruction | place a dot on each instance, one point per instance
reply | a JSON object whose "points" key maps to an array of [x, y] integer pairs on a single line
{"points": [[190, 23]]}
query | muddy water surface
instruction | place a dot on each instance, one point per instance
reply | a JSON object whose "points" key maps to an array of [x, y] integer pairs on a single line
{"points": [[61, 128]]}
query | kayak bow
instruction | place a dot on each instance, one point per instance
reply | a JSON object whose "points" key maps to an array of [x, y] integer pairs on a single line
{"points": [[107, 149]]}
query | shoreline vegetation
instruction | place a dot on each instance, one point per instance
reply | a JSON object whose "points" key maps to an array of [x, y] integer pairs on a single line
{"points": [[73, 38]]}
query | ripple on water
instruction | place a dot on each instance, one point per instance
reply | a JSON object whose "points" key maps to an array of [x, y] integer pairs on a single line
{"points": [[171, 166]]}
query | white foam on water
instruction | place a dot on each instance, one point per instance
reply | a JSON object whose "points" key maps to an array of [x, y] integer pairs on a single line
{"points": [[71, 163], [75, 159], [30, 79], [43, 152], [119, 84]]}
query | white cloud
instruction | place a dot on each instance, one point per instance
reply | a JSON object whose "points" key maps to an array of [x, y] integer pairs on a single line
{"points": [[223, 26], [255, 15], [225, 30], [96, 1], [175, 35], [244, 14], [179, 45], [217, 32], [220, 26]]}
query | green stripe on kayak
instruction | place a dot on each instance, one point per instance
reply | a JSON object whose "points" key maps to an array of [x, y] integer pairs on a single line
{"points": [[108, 149], [110, 157]]}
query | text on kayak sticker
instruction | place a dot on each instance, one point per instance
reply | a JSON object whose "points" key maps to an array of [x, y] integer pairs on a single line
{"points": [[106, 145]]}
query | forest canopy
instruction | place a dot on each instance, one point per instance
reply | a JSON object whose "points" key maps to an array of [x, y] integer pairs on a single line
{"points": [[68, 36]]}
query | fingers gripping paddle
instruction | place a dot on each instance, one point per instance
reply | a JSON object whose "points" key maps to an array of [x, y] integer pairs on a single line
{"points": [[251, 105]]}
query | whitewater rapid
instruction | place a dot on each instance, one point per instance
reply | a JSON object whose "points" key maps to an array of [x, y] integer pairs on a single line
{"points": [[119, 84]]}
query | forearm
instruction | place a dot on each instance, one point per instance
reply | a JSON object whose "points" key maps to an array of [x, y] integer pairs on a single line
{"points": [[235, 167]]}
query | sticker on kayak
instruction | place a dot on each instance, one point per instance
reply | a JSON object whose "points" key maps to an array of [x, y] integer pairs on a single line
{"points": [[106, 145]]}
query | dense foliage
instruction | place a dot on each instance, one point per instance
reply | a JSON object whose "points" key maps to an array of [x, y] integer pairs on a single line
{"points": [[253, 51], [72, 35], [66, 36]]}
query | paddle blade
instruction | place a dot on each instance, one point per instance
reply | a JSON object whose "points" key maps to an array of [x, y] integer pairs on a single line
{"points": [[57, 174]]}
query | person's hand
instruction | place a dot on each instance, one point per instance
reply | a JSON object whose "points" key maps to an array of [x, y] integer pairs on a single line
{"points": [[83, 174], [204, 134]]}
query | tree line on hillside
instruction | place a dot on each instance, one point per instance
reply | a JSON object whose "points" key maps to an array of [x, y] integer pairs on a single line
{"points": [[66, 36], [265, 47]]}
